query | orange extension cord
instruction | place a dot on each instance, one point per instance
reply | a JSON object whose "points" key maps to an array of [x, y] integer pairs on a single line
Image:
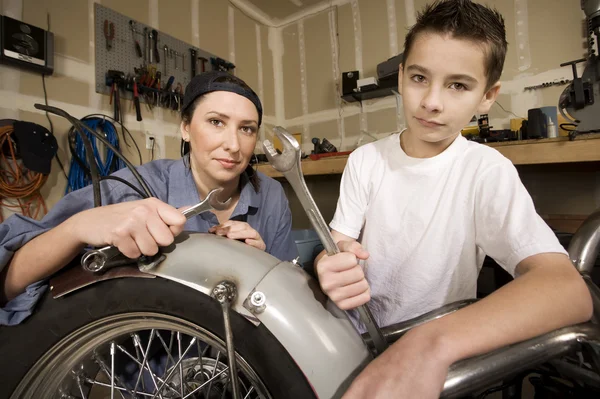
{"points": [[17, 182]]}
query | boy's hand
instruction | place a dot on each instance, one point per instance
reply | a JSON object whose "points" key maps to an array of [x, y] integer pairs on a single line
{"points": [[342, 279], [242, 231]]}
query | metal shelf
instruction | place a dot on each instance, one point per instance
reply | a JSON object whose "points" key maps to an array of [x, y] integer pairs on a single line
{"points": [[368, 95], [585, 148]]}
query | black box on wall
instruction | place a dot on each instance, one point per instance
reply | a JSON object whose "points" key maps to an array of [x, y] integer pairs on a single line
{"points": [[349, 80], [26, 46]]}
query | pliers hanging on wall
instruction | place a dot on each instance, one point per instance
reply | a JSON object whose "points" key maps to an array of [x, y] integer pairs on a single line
{"points": [[109, 33], [114, 90]]}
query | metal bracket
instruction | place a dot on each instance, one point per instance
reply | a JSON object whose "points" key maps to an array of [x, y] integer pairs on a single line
{"points": [[225, 293]]}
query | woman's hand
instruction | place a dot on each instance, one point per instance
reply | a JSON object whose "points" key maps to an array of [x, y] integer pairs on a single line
{"points": [[237, 230], [136, 228]]}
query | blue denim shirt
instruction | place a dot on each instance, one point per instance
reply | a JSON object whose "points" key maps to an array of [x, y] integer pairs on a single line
{"points": [[267, 211]]}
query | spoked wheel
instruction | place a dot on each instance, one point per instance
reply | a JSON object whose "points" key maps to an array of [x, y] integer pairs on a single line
{"points": [[141, 338], [139, 355]]}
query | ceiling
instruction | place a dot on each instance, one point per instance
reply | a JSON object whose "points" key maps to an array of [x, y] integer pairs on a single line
{"points": [[278, 10]]}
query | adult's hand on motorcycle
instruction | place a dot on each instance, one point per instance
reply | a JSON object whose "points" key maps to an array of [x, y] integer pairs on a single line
{"points": [[242, 231], [136, 228], [413, 367], [342, 278]]}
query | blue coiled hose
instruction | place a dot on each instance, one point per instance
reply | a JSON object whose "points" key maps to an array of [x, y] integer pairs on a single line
{"points": [[79, 170]]}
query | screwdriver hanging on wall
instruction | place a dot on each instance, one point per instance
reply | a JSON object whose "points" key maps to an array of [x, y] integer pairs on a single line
{"points": [[155, 46], [150, 47], [166, 54], [194, 61]]}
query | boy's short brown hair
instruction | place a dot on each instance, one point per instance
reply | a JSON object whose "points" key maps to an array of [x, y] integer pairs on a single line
{"points": [[464, 19]]}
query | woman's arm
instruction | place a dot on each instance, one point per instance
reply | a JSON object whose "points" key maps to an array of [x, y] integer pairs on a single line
{"points": [[39, 258], [135, 228]]}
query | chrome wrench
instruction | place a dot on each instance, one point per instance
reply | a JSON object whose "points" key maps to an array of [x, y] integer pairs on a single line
{"points": [[288, 163], [97, 260]]}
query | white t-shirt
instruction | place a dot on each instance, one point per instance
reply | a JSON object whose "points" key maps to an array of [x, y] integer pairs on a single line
{"points": [[428, 223]]}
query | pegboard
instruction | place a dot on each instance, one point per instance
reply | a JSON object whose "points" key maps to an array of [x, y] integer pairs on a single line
{"points": [[123, 57]]}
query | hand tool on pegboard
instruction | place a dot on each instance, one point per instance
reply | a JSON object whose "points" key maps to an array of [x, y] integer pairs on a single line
{"points": [[145, 34], [165, 56], [194, 61], [136, 100], [203, 63], [116, 79], [155, 46], [150, 50], [109, 33], [136, 43]]}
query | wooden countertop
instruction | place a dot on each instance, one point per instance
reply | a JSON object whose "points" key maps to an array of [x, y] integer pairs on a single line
{"points": [[585, 148]]}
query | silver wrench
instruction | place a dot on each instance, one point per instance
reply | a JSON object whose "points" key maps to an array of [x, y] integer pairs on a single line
{"points": [[97, 260], [288, 163]]}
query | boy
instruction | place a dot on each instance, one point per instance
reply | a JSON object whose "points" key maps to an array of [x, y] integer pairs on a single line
{"points": [[428, 206]]}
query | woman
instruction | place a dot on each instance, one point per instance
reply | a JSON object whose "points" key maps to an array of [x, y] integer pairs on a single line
{"points": [[220, 120]]}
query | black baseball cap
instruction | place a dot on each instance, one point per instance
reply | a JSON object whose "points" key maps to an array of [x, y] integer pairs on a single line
{"points": [[210, 81]]}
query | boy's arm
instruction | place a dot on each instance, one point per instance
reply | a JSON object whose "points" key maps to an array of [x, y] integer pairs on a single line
{"points": [[548, 294]]}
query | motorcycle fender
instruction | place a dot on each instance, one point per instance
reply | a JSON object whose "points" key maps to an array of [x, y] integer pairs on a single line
{"points": [[320, 338]]}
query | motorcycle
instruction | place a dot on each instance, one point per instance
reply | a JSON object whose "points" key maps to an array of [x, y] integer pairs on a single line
{"points": [[211, 317]]}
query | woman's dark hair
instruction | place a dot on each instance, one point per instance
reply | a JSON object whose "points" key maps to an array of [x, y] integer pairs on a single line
{"points": [[188, 112]]}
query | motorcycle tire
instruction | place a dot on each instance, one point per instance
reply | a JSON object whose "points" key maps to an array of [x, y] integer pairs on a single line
{"points": [[22, 346]]}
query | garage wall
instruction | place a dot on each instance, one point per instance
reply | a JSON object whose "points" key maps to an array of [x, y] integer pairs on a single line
{"points": [[359, 34], [213, 25]]}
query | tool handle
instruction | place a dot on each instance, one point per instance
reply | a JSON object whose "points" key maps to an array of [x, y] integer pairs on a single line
{"points": [[138, 49], [156, 54], [136, 102], [116, 103], [138, 111], [170, 83], [194, 60]]}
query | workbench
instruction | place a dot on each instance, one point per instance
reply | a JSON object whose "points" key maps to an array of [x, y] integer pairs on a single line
{"points": [[585, 148]]}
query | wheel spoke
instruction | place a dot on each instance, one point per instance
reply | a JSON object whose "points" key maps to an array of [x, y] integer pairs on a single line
{"points": [[144, 362], [172, 372], [83, 395], [213, 374], [106, 371], [249, 392], [112, 370], [120, 389], [146, 367], [138, 350], [180, 363], [225, 388], [168, 350]]}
